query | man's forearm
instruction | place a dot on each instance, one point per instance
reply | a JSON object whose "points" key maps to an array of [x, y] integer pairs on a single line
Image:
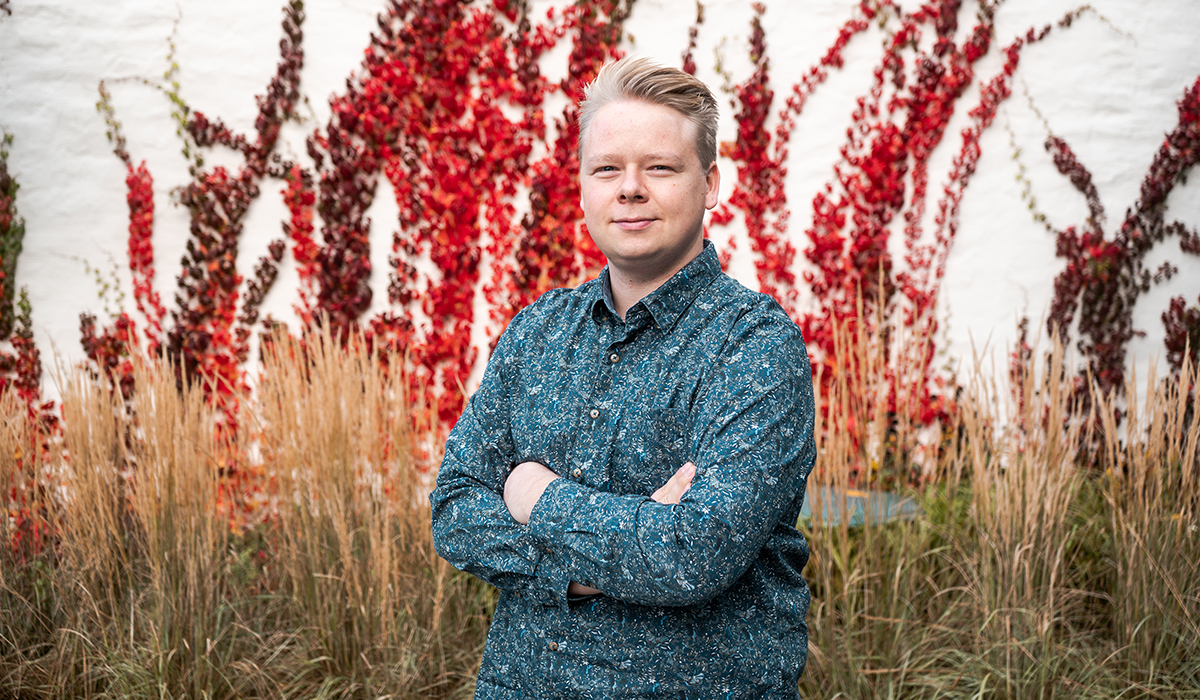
{"points": [[529, 480], [524, 486], [522, 490], [472, 527]]}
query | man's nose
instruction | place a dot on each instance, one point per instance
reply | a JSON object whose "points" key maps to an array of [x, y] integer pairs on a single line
{"points": [[633, 187]]}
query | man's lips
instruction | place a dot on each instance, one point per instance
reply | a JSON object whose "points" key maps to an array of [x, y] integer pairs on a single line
{"points": [[633, 224]]}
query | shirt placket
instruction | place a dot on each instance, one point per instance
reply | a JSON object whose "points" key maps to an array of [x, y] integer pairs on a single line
{"points": [[614, 354], [611, 348], [584, 462]]}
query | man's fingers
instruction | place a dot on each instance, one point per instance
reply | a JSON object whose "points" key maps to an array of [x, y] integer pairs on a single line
{"points": [[667, 494], [673, 489], [676, 486]]}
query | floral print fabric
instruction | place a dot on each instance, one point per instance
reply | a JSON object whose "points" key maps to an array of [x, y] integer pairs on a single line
{"points": [[702, 599]]}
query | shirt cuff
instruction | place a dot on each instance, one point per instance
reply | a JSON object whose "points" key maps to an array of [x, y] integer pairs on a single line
{"points": [[547, 520], [553, 510], [550, 582]]}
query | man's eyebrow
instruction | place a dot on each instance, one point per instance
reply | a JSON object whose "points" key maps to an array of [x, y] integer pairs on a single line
{"points": [[664, 156]]}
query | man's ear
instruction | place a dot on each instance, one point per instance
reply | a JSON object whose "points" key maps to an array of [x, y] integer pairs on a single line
{"points": [[712, 190]]}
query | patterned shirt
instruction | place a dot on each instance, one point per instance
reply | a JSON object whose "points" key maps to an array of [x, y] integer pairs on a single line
{"points": [[701, 599]]}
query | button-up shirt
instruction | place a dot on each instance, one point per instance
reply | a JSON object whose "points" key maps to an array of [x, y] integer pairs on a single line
{"points": [[701, 599]]}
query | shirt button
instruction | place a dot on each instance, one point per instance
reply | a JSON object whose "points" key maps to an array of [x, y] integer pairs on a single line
{"points": [[577, 472], [614, 358], [594, 413], [553, 646]]}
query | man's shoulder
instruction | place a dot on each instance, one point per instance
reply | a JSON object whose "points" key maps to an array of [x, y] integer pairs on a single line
{"points": [[748, 311], [557, 307], [751, 340]]}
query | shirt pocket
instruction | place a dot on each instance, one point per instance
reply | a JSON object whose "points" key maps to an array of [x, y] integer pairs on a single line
{"points": [[654, 446]]}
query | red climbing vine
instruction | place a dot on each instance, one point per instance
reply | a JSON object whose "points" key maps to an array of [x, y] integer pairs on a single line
{"points": [[208, 340], [880, 182], [23, 490], [429, 113], [20, 367], [1105, 276], [449, 113]]}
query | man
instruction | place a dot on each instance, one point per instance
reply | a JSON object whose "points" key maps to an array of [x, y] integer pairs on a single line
{"points": [[631, 468]]}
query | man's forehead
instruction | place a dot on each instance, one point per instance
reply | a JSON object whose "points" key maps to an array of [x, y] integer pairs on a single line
{"points": [[593, 144]]}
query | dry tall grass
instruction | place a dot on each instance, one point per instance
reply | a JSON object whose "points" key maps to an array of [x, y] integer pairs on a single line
{"points": [[351, 542], [337, 592], [1154, 514], [1031, 575]]}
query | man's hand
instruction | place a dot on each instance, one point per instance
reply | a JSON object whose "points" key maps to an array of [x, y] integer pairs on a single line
{"points": [[524, 487], [529, 480], [676, 486]]}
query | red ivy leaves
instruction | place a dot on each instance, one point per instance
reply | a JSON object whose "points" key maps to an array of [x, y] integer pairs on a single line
{"points": [[884, 160], [888, 147], [141, 251], [20, 368], [882, 179], [554, 249], [449, 108], [1183, 332], [1104, 277], [429, 113], [759, 189], [23, 498], [208, 338], [299, 197], [111, 350]]}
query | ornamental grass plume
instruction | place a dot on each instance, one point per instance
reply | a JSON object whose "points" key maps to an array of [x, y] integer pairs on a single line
{"points": [[351, 544], [1031, 573], [1025, 584], [875, 618], [152, 588], [1153, 494], [142, 587]]}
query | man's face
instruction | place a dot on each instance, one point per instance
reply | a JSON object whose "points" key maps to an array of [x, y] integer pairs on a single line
{"points": [[643, 189]]}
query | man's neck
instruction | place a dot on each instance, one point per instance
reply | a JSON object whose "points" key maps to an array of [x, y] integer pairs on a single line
{"points": [[630, 288], [628, 291]]}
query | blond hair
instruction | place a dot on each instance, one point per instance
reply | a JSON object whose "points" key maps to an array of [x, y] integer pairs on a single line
{"points": [[643, 80]]}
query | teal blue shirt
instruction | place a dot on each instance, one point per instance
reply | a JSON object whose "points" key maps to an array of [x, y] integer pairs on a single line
{"points": [[701, 599]]}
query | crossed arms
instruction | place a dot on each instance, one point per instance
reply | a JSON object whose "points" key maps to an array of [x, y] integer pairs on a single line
{"points": [[518, 526], [529, 480]]}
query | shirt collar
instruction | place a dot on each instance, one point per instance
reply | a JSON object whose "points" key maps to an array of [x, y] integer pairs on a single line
{"points": [[669, 301]]}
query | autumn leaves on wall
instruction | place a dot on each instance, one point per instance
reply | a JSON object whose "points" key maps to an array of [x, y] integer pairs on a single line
{"points": [[450, 106]]}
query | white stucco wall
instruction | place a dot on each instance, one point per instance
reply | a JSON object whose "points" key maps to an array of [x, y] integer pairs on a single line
{"points": [[1108, 86]]}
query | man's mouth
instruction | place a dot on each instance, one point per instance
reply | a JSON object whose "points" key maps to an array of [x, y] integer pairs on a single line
{"points": [[633, 224]]}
